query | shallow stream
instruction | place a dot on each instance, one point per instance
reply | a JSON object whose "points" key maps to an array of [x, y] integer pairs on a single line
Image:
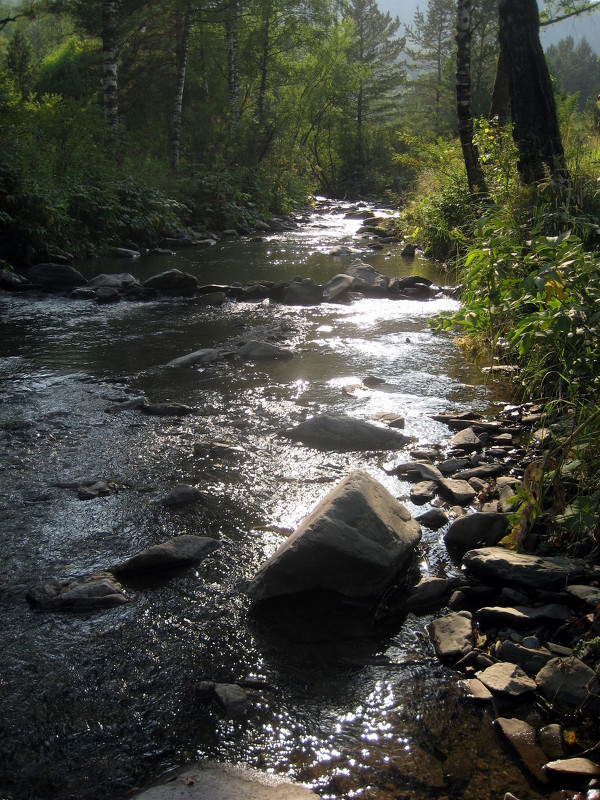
{"points": [[96, 704]]}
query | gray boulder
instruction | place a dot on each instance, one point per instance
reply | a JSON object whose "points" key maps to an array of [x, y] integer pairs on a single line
{"points": [[83, 593], [56, 276], [427, 593], [173, 282], [345, 434], [475, 530], [120, 280], [520, 569], [367, 279], [181, 551], [353, 543], [458, 492]]}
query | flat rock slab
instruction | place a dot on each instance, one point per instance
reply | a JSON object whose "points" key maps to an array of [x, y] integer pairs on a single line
{"points": [[475, 690], [427, 593], [452, 635], [353, 543], [522, 738], [522, 617], [180, 551], [507, 678], [459, 492], [82, 593], [345, 434], [519, 569], [221, 782]]}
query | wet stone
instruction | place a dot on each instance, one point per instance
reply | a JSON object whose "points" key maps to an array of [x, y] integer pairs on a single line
{"points": [[457, 491], [423, 492], [522, 738], [180, 551]]}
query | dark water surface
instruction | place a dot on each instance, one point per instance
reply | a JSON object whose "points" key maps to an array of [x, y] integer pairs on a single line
{"points": [[95, 704]]}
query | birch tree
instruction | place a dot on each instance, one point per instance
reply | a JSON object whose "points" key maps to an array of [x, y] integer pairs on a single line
{"points": [[110, 55], [182, 51]]}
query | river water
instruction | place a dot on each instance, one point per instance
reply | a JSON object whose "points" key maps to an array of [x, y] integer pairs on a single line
{"points": [[96, 704]]}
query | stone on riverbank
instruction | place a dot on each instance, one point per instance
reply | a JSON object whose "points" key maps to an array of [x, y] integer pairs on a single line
{"points": [[83, 593], [226, 782], [520, 569], [452, 635], [345, 434], [120, 280], [303, 292], [570, 682], [507, 678], [353, 543], [181, 551], [475, 530]]}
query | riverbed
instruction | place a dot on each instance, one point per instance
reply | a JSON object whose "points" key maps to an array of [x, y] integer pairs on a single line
{"points": [[97, 704]]}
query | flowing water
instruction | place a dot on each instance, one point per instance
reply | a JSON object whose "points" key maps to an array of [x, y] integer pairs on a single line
{"points": [[95, 704]]}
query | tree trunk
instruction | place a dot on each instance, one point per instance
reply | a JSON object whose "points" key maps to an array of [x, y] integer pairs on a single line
{"points": [[475, 176], [233, 79], [500, 106], [533, 109], [110, 50], [182, 57], [264, 64]]}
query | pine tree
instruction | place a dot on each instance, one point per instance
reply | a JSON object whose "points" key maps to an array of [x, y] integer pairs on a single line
{"points": [[375, 57]]}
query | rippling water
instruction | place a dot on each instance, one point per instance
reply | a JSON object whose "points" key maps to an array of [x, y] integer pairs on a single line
{"points": [[95, 704]]}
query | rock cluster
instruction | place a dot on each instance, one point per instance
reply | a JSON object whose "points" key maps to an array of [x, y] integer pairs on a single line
{"points": [[517, 622]]}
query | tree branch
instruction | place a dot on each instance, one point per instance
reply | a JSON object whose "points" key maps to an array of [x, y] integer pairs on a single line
{"points": [[576, 12]]}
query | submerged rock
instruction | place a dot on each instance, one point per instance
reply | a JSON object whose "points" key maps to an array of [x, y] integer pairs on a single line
{"points": [[353, 543], [83, 593], [344, 434], [253, 350], [181, 495], [207, 355], [181, 551]]}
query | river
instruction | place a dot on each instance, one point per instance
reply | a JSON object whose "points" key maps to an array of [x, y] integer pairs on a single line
{"points": [[96, 704]]}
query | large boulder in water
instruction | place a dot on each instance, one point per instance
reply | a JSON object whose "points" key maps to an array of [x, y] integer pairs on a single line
{"points": [[367, 279], [302, 293], [344, 434], [56, 277], [173, 282], [357, 539]]}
